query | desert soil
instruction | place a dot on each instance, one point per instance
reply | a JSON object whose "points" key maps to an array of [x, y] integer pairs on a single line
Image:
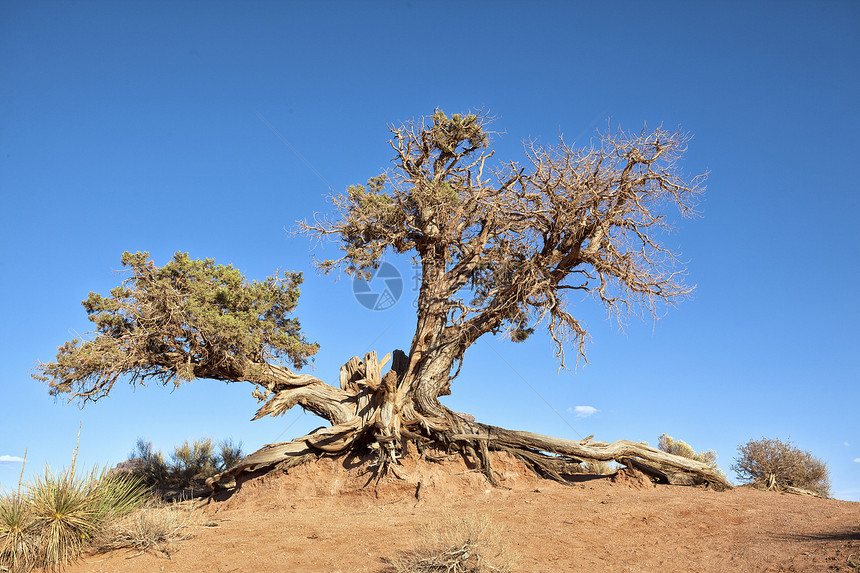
{"points": [[321, 517]]}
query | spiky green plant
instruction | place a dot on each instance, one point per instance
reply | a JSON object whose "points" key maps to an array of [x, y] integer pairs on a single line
{"points": [[68, 508], [63, 515], [115, 495], [18, 538]]}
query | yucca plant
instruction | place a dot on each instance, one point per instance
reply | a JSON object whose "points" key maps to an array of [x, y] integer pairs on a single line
{"points": [[64, 514], [18, 538], [116, 495], [67, 509]]}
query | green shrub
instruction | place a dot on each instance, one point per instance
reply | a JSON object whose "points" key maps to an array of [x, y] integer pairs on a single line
{"points": [[670, 445], [191, 463], [50, 524], [149, 465], [194, 462], [774, 464], [230, 454]]}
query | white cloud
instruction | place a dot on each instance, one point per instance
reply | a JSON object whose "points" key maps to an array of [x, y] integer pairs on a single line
{"points": [[857, 460], [10, 459], [584, 411], [846, 444]]}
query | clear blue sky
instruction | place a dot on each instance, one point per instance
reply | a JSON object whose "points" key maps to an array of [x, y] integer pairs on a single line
{"points": [[142, 126]]}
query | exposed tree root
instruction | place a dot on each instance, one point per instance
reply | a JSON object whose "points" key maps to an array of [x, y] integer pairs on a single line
{"points": [[371, 412]]}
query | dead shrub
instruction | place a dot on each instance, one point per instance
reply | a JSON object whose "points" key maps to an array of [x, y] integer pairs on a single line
{"points": [[777, 465], [158, 527], [457, 545]]}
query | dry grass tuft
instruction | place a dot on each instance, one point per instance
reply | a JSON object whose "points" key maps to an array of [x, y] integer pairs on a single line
{"points": [[157, 527], [597, 467], [457, 545]]}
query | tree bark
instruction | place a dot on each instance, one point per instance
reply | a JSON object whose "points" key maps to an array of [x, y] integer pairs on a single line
{"points": [[382, 413]]}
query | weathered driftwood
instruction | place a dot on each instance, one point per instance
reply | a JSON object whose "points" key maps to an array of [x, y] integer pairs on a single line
{"points": [[650, 471], [372, 411]]}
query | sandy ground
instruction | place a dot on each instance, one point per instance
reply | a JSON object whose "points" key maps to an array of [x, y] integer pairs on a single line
{"points": [[321, 517]]}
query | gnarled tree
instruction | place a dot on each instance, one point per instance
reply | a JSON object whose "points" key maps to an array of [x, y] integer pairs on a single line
{"points": [[500, 247]]}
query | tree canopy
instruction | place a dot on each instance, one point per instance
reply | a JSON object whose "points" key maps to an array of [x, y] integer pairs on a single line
{"points": [[501, 244], [187, 319]]}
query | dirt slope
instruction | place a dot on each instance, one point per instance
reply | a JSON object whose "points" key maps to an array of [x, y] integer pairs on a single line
{"points": [[321, 517]]}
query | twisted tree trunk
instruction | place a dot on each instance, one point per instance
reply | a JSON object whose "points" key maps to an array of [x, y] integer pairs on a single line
{"points": [[385, 413]]}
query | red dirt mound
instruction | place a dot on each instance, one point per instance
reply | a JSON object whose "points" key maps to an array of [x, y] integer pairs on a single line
{"points": [[330, 516], [418, 479], [631, 477]]}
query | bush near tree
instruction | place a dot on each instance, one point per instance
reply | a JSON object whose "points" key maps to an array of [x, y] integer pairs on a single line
{"points": [[779, 465], [670, 445], [192, 463]]}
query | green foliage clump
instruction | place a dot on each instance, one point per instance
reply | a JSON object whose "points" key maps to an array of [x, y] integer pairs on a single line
{"points": [[229, 454], [447, 134], [670, 445], [388, 211], [774, 464], [58, 515], [191, 463], [189, 318]]}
